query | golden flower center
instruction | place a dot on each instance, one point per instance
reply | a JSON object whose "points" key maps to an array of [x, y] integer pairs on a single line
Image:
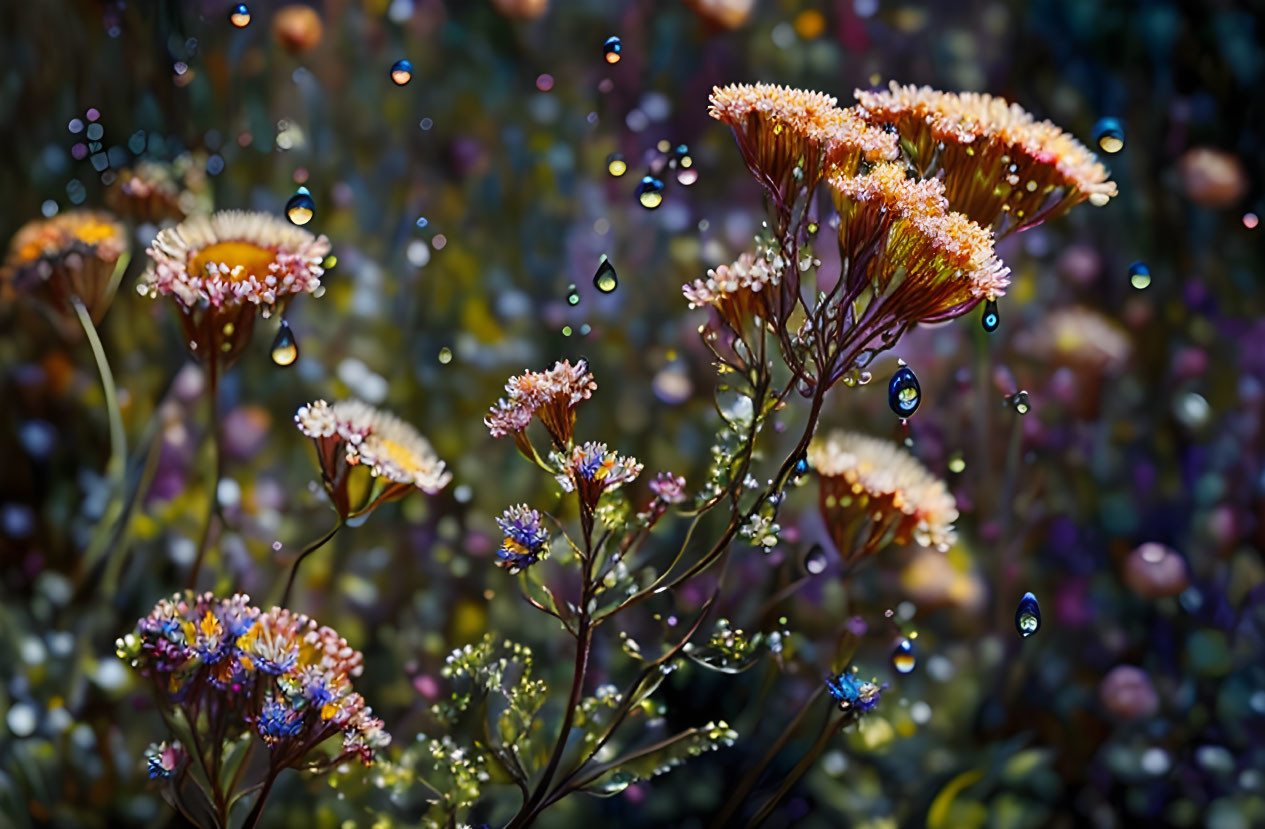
{"points": [[397, 453], [94, 232], [243, 260]]}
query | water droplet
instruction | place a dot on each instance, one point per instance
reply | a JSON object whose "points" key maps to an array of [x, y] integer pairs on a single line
{"points": [[573, 295], [815, 560], [445, 356], [605, 280], [1250, 221], [566, 331], [650, 192], [991, 319], [422, 221], [903, 392], [1020, 401], [687, 175], [616, 165], [801, 466], [612, 49], [402, 72], [1109, 135], [240, 16], [903, 657], [300, 208], [1028, 616], [285, 349], [1139, 275]]}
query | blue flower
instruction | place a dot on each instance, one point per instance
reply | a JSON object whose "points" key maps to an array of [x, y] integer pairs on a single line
{"points": [[277, 721], [850, 692], [526, 539]]}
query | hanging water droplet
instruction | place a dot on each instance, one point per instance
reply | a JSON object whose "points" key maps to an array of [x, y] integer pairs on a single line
{"points": [[801, 466], [1109, 135], [240, 16], [402, 72], [1139, 275], [991, 319], [285, 349], [300, 208], [445, 356], [1020, 401], [903, 392], [616, 165], [612, 49], [816, 560], [605, 280], [573, 295], [1028, 616], [903, 657], [650, 192]]}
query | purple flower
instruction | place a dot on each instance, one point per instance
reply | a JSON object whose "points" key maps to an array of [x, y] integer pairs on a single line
{"points": [[526, 539]]}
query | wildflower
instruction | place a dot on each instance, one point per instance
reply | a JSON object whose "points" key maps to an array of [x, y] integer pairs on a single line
{"points": [[1155, 570], [853, 694], [277, 673], [162, 759], [79, 254], [526, 539], [552, 395], [668, 488], [223, 269], [739, 292], [591, 469], [785, 136], [874, 493], [996, 159], [157, 192], [349, 433]]}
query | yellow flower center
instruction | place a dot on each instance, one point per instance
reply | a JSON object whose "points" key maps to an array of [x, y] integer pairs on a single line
{"points": [[94, 232], [243, 260], [398, 454]]}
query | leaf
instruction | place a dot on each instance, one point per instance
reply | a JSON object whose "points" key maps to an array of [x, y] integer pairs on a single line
{"points": [[233, 759]]}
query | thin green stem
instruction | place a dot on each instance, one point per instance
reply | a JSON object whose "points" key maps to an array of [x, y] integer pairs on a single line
{"points": [[308, 550], [801, 767]]}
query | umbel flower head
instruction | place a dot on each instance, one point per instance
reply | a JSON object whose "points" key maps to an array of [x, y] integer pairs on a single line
{"points": [[526, 539], [552, 395], [222, 270], [996, 159], [787, 135], [349, 434], [590, 470], [232, 667], [874, 493], [79, 254], [739, 292]]}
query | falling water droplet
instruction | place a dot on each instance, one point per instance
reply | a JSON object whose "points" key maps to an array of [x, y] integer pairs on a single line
{"points": [[402, 72], [616, 165], [1109, 135], [1020, 401], [991, 319], [445, 356], [285, 349], [903, 657], [240, 16], [612, 49], [815, 560], [573, 295], [1028, 616], [605, 280], [1139, 275], [650, 192], [300, 208], [903, 392]]}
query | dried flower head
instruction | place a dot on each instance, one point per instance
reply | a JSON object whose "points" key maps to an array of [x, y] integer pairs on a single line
{"points": [[77, 254], [224, 268], [997, 160], [874, 493], [157, 192], [277, 673], [739, 292], [1079, 338], [782, 133], [552, 394], [526, 539], [350, 434]]}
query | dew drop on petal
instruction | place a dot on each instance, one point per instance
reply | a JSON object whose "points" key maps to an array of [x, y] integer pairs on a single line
{"points": [[1028, 616], [401, 72], [285, 348], [1109, 135], [991, 318], [612, 49], [605, 280], [903, 657], [903, 392], [300, 208]]}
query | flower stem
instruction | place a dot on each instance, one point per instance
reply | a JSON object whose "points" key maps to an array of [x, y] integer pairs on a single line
{"points": [[212, 376], [308, 550], [801, 767]]}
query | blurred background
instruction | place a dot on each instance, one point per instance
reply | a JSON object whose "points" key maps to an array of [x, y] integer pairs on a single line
{"points": [[462, 207]]}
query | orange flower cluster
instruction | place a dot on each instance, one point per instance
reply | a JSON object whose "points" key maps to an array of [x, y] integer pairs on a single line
{"points": [[72, 255], [997, 161]]}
